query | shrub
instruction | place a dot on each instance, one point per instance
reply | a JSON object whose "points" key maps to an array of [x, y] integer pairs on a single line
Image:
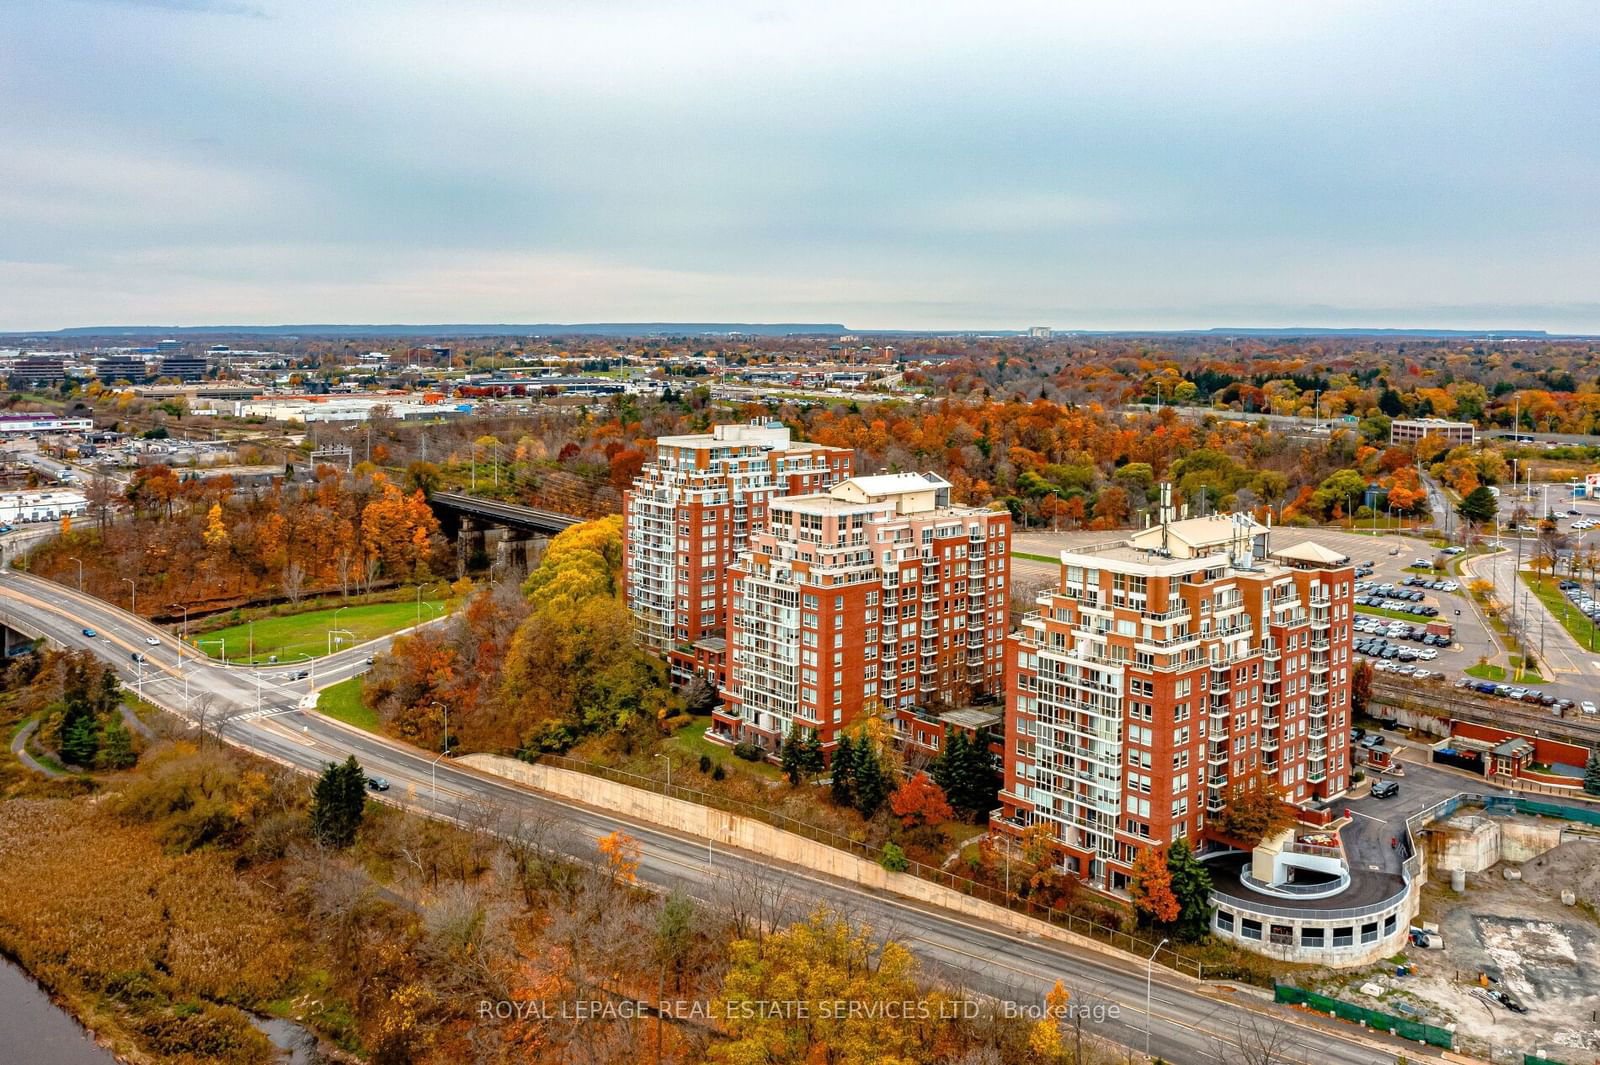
{"points": [[718, 773], [749, 752], [705, 763], [894, 859]]}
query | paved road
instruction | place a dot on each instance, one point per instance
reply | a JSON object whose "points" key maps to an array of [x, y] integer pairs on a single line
{"points": [[19, 747], [1189, 1021]]}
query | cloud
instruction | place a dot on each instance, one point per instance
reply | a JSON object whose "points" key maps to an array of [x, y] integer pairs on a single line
{"points": [[199, 7], [933, 165]]}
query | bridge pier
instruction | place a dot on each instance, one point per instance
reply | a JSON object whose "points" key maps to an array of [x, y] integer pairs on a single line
{"points": [[14, 642]]}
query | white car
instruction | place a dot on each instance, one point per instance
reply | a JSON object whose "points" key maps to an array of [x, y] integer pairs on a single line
{"points": [[152, 641], [1587, 707]]}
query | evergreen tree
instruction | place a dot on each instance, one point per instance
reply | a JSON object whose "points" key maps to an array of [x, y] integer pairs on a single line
{"points": [[1591, 772], [338, 803], [1191, 885], [1479, 505], [78, 739], [872, 787], [793, 752], [844, 764], [965, 772], [812, 761], [116, 747], [110, 694]]}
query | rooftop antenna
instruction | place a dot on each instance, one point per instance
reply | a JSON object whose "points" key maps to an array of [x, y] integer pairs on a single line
{"points": [[1166, 512]]}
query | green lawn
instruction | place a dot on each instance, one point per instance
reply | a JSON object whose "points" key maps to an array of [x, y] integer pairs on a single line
{"points": [[1574, 621], [342, 702], [1498, 673], [1053, 560], [690, 742], [306, 635]]}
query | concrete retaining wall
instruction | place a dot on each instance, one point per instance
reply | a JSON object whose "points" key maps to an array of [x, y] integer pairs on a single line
{"points": [[1474, 843], [732, 830]]}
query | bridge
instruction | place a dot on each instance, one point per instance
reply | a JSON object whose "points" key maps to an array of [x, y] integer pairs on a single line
{"points": [[506, 515], [488, 532]]}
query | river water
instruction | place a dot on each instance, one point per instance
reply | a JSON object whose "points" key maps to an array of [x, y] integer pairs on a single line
{"points": [[35, 1030]]}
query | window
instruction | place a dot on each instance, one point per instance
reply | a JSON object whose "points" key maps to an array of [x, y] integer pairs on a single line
{"points": [[1389, 924], [1249, 928], [1224, 921], [1344, 936], [1311, 937], [1369, 932]]}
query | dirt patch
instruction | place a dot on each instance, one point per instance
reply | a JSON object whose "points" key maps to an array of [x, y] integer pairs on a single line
{"points": [[1499, 935], [1574, 866]]}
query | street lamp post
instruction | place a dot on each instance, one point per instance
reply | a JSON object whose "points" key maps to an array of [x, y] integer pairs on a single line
{"points": [[79, 561], [669, 772], [445, 743], [133, 595], [1149, 967]]}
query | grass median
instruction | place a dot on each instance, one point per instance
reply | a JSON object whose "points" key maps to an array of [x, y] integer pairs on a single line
{"points": [[296, 636], [1571, 618], [342, 702]]}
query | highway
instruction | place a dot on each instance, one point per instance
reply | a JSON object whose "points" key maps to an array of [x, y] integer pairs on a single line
{"points": [[259, 710]]}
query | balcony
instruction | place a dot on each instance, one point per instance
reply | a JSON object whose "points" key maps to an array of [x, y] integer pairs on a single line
{"points": [[1217, 754], [1273, 652], [1271, 698]]}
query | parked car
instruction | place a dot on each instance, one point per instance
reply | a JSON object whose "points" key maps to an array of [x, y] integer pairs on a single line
{"points": [[1587, 707], [1385, 789]]}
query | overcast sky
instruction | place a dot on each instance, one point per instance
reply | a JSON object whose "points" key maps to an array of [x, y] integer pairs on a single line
{"points": [[919, 164]]}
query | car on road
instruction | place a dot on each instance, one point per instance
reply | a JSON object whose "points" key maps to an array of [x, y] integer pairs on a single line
{"points": [[152, 641], [90, 633], [138, 656], [1385, 789], [1372, 742], [377, 784]]}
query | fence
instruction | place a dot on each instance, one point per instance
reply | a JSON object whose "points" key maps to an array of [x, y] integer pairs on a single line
{"points": [[1431, 1034], [1065, 919]]}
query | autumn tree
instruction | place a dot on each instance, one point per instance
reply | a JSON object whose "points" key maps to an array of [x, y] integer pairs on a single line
{"points": [[1361, 686], [1254, 810], [573, 668], [621, 852], [919, 801], [1151, 886], [818, 965]]}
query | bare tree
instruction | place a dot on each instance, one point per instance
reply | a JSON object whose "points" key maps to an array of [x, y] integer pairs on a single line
{"points": [[1257, 1040], [294, 581]]}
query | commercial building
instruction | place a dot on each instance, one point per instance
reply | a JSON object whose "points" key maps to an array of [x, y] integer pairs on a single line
{"points": [[691, 511], [25, 424], [308, 409], [113, 368], [182, 367], [875, 593], [1410, 430], [16, 507], [39, 370], [1168, 668]]}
